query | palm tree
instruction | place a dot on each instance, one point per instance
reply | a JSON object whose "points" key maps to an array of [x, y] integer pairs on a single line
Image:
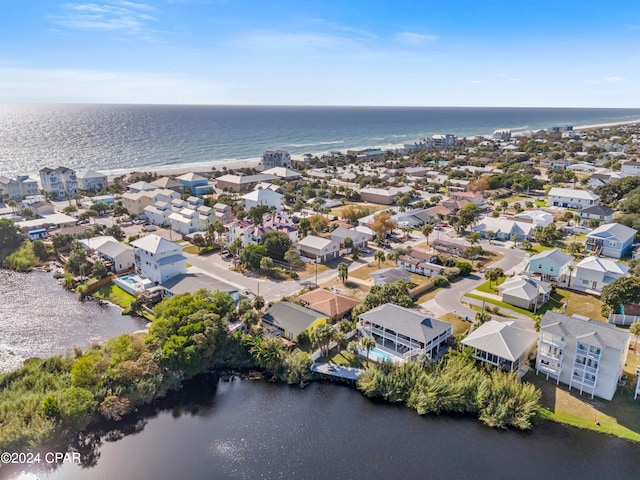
{"points": [[258, 302], [292, 257], [634, 329], [379, 256], [12, 204], [514, 239], [250, 319], [343, 272], [473, 238], [219, 229], [266, 264], [367, 343], [426, 231], [570, 268]]}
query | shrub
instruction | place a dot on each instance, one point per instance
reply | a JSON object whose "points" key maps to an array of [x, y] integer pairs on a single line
{"points": [[440, 282]]}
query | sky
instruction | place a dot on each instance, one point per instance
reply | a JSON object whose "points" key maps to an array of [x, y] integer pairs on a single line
{"points": [[507, 53]]}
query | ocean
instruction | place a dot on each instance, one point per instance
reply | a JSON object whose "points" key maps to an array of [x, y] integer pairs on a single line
{"points": [[112, 138]]}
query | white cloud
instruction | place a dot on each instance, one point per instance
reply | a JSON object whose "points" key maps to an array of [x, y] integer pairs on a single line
{"points": [[614, 79], [124, 17], [413, 38]]}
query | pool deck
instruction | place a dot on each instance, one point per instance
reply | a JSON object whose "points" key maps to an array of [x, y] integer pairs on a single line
{"points": [[339, 371]]}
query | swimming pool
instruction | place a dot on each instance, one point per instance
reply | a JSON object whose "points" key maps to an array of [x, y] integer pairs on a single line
{"points": [[129, 280], [378, 355]]}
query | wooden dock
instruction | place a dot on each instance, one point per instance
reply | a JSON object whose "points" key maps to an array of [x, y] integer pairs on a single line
{"points": [[333, 371]]}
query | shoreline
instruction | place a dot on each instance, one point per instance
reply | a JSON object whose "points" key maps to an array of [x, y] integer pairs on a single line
{"points": [[234, 164]]}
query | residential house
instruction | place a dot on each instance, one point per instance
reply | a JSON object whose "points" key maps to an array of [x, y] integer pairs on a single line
{"points": [[194, 202], [185, 221], [290, 320], [611, 240], [504, 228], [117, 256], [596, 212], [570, 198], [158, 213], [223, 213], [136, 202], [598, 179], [415, 217], [340, 234], [447, 246], [330, 304], [196, 183], [524, 292], [168, 183], [263, 197], [382, 196], [158, 259], [418, 265], [192, 282], [284, 173], [582, 353], [407, 333], [59, 182], [504, 345], [91, 181], [241, 183], [630, 169], [539, 218], [276, 158], [17, 188], [595, 273], [552, 265], [141, 186], [390, 275], [318, 249]]}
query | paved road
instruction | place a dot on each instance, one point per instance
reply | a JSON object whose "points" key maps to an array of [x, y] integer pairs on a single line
{"points": [[449, 300]]}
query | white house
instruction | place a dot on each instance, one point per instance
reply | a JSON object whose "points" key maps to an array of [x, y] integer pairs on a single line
{"points": [[570, 198], [582, 353], [594, 273], [598, 179], [539, 218], [404, 333], [524, 292], [59, 182], [503, 345], [630, 168], [17, 188], [265, 197], [340, 234], [158, 213], [117, 256], [318, 249], [158, 259], [504, 228], [91, 181], [185, 221], [276, 158], [597, 212]]}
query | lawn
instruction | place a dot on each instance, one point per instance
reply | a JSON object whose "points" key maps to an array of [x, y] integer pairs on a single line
{"points": [[617, 417], [538, 248], [362, 273], [579, 303], [310, 269], [191, 249], [345, 358], [504, 305], [114, 294], [491, 287], [337, 211], [460, 325], [350, 289], [540, 203], [426, 296]]}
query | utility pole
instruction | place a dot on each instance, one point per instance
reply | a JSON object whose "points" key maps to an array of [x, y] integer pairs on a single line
{"points": [[316, 264]]}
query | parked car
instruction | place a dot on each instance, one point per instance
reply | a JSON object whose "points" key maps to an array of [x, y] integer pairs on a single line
{"points": [[366, 250], [437, 227]]}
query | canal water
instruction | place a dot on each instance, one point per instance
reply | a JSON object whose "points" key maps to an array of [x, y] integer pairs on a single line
{"points": [[39, 318], [249, 429]]}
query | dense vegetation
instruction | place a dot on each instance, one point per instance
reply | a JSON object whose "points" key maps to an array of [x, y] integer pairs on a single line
{"points": [[59, 396], [456, 384]]}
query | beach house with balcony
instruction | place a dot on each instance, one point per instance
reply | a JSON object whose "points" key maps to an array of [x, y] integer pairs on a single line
{"points": [[582, 353], [503, 345], [276, 158], [196, 183], [404, 333], [611, 240], [59, 182], [91, 181], [597, 212], [552, 265], [17, 188], [158, 259], [263, 197]]}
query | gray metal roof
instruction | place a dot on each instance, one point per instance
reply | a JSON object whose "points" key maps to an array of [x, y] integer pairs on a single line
{"points": [[192, 282], [606, 334], [411, 323]]}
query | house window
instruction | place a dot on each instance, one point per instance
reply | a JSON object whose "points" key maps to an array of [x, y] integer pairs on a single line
{"points": [[585, 282]]}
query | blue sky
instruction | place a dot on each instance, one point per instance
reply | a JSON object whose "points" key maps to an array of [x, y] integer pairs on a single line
{"points": [[423, 53]]}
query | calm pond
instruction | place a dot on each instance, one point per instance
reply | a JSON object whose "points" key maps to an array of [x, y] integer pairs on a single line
{"points": [[252, 429]]}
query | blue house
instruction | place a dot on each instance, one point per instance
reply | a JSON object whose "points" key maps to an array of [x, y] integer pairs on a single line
{"points": [[611, 240], [196, 183], [551, 265]]}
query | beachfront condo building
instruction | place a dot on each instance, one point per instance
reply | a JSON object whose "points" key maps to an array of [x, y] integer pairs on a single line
{"points": [[59, 182], [276, 158]]}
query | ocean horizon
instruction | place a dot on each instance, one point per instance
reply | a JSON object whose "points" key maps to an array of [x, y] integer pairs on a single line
{"points": [[119, 137]]}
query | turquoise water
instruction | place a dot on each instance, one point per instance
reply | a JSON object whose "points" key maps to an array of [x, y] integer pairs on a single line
{"points": [[129, 280], [377, 354], [127, 137]]}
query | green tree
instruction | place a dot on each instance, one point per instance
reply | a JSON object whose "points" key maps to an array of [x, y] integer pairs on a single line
{"points": [[258, 302], [427, 229], [199, 241], [99, 270], [634, 329], [251, 256], [266, 264], [493, 274], [10, 237], [40, 250], [379, 256], [277, 244], [293, 257], [343, 272], [625, 290], [250, 319], [257, 213], [367, 344]]}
